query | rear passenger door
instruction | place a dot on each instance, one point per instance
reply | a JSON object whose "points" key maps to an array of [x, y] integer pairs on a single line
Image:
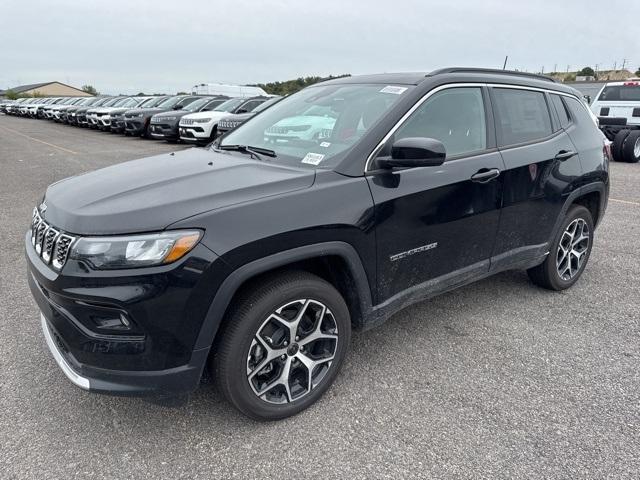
{"points": [[542, 166]]}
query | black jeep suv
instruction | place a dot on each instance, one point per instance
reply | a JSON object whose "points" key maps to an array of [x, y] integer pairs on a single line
{"points": [[259, 255]]}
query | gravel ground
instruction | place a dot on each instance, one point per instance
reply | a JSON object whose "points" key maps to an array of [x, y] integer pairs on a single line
{"points": [[499, 379]]}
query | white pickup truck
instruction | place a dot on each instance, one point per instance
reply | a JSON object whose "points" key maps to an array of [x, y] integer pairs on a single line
{"points": [[617, 107]]}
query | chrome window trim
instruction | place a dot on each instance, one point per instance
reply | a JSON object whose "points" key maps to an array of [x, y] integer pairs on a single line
{"points": [[426, 96]]}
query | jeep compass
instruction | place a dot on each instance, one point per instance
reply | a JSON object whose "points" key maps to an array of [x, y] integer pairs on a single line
{"points": [[257, 257]]}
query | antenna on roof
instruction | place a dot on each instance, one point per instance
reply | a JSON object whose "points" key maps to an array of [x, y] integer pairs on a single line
{"points": [[504, 67]]}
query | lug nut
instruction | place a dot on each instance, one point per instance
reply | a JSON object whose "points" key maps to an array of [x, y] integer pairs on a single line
{"points": [[286, 343], [297, 338], [283, 357]]}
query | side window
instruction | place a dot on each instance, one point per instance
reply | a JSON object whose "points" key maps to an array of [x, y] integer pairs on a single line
{"points": [[522, 116], [454, 116], [249, 106], [561, 109], [579, 111]]}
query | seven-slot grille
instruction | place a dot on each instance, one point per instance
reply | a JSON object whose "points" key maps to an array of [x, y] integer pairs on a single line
{"points": [[187, 121], [52, 245]]}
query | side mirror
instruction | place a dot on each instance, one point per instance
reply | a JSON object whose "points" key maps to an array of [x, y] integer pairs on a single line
{"points": [[414, 152], [241, 110], [177, 107]]}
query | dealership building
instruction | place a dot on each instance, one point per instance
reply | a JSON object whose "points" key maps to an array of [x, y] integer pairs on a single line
{"points": [[47, 89]]}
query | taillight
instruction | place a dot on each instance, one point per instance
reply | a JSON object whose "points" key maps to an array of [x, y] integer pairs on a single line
{"points": [[606, 150]]}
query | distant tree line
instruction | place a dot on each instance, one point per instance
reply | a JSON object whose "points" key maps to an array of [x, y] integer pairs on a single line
{"points": [[291, 86]]}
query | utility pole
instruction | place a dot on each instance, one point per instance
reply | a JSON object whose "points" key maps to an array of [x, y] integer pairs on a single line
{"points": [[568, 67], [555, 68], [504, 67], [624, 62], [615, 64]]}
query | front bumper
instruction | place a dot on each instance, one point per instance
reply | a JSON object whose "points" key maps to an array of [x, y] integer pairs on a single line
{"points": [[193, 133], [165, 309], [164, 131], [135, 126]]}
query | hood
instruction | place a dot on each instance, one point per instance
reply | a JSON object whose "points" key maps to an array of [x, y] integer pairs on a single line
{"points": [[173, 113], [238, 117], [152, 193]]}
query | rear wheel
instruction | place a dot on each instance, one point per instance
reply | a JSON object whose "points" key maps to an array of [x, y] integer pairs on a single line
{"points": [[618, 142], [569, 252], [284, 341], [631, 147]]}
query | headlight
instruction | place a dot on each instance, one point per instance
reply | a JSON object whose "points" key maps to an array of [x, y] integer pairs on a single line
{"points": [[135, 250], [202, 120]]}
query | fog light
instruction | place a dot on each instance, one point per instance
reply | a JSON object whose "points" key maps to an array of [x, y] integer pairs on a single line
{"points": [[112, 323]]}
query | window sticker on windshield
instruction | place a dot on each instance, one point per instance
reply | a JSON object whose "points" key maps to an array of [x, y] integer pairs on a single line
{"points": [[325, 144], [394, 90], [313, 158]]}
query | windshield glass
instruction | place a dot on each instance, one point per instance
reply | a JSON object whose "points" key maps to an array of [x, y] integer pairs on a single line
{"points": [[621, 93], [127, 102], [155, 102], [229, 105], [111, 102], [147, 102], [197, 104], [170, 102], [315, 126]]}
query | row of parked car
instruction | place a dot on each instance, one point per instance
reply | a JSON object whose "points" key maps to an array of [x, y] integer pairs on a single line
{"points": [[196, 119]]}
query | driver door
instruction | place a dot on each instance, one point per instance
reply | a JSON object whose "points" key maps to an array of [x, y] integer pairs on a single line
{"points": [[439, 224]]}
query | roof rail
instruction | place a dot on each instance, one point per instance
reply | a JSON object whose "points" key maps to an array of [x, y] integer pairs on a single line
{"points": [[491, 71]]}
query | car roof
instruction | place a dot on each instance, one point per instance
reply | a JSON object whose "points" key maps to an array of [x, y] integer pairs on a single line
{"points": [[459, 74]]}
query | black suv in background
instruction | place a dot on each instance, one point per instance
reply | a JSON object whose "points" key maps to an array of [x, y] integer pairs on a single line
{"points": [[136, 122], [259, 255], [164, 126]]}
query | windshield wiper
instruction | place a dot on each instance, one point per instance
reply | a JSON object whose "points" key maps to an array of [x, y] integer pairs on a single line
{"points": [[255, 152]]}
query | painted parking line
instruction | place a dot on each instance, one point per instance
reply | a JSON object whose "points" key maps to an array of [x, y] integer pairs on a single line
{"points": [[37, 140], [624, 201]]}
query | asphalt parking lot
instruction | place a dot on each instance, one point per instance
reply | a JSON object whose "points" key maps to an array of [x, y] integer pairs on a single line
{"points": [[499, 379]]}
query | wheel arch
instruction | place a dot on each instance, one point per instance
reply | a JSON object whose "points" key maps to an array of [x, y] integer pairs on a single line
{"points": [[337, 262], [593, 196]]}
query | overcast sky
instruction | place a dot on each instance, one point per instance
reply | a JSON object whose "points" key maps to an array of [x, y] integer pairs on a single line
{"points": [[169, 45]]}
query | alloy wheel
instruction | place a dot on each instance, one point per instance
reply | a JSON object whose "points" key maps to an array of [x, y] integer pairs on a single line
{"points": [[572, 249], [292, 351]]}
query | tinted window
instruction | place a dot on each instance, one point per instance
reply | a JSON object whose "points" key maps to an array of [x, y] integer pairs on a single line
{"points": [[523, 116], [454, 116], [249, 106], [620, 93], [561, 109], [579, 111]]}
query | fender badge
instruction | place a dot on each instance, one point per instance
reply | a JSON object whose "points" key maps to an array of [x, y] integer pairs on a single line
{"points": [[413, 251], [43, 207]]}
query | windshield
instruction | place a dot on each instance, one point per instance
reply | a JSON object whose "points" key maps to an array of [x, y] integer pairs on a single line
{"points": [[621, 93], [147, 102], [127, 102], [197, 104], [170, 102], [229, 105], [111, 102], [315, 126]]}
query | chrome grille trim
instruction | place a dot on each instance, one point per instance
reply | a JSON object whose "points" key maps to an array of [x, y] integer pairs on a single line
{"points": [[50, 244]]}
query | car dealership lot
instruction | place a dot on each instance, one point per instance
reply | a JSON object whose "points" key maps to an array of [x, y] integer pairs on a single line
{"points": [[498, 379]]}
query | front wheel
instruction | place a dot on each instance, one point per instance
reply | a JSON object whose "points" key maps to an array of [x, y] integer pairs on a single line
{"points": [[569, 252], [284, 341]]}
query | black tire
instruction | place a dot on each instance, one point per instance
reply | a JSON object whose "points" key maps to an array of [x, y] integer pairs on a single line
{"points": [[546, 274], [618, 142], [631, 147], [248, 315]]}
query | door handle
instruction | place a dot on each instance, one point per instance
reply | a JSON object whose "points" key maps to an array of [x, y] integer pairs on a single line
{"points": [[563, 155], [484, 175]]}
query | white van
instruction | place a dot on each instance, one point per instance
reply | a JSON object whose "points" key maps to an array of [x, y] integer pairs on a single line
{"points": [[242, 91]]}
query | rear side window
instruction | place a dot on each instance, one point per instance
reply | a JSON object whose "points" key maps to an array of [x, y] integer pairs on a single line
{"points": [[454, 116], [579, 111], [522, 116], [561, 109]]}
